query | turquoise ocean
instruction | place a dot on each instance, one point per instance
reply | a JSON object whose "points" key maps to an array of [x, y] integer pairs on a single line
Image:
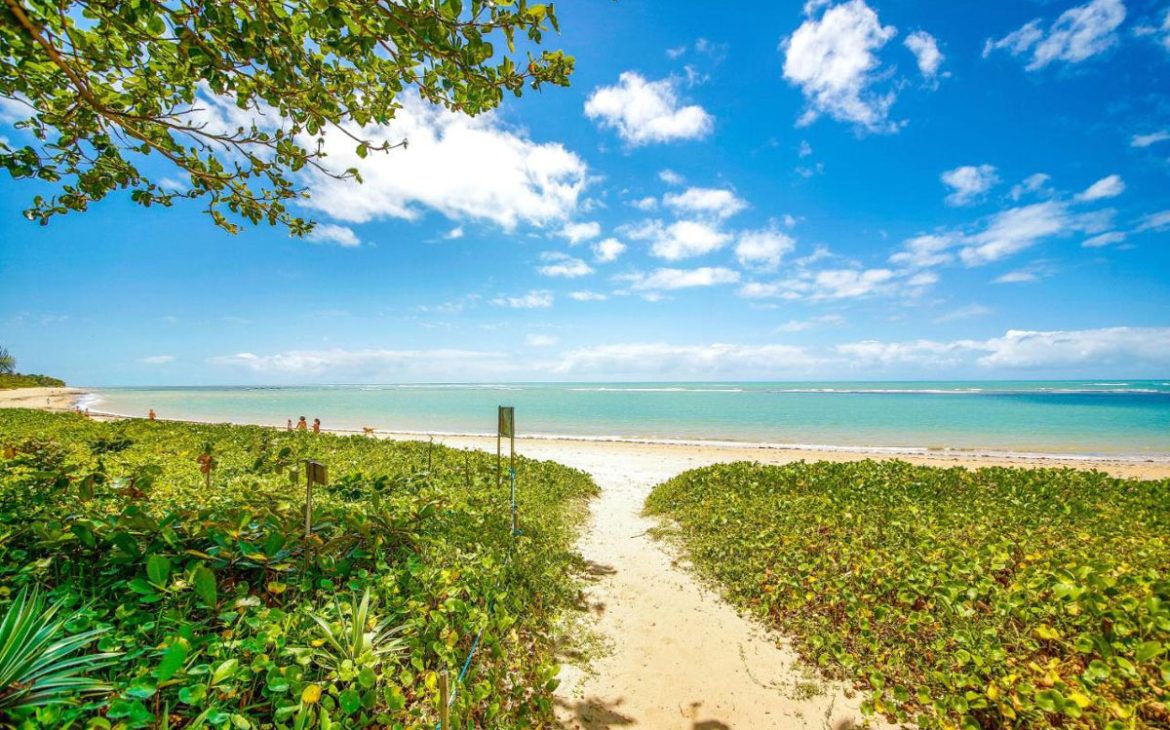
{"points": [[1092, 418]]}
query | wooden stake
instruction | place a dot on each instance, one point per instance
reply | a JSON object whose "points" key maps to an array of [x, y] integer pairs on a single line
{"points": [[308, 499], [444, 710]]}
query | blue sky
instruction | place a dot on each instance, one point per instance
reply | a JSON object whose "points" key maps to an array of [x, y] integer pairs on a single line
{"points": [[869, 189]]}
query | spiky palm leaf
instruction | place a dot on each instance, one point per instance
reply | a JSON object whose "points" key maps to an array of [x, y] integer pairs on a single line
{"points": [[39, 663], [353, 641]]}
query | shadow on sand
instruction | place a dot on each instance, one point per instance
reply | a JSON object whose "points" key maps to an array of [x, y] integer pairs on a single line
{"points": [[596, 714]]}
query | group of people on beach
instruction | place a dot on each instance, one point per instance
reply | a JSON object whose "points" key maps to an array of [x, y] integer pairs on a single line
{"points": [[303, 425]]}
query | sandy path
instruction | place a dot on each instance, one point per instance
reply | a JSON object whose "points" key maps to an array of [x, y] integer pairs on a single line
{"points": [[680, 657], [676, 655]]}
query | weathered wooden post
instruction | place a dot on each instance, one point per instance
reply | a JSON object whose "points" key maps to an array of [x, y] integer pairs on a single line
{"points": [[444, 695], [315, 473], [507, 427]]}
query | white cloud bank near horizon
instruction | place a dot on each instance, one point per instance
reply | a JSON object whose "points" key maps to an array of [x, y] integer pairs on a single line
{"points": [[1107, 352]]}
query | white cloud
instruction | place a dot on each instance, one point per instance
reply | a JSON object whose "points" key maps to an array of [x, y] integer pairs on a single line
{"points": [[670, 177], [1128, 347], [969, 183], [1159, 221], [535, 340], [1031, 184], [503, 176], [587, 296], [578, 232], [647, 203], [1166, 30], [1105, 239], [1019, 276], [715, 202], [371, 365], [454, 233], [608, 250], [1016, 229], [926, 251], [874, 353], [832, 59], [157, 359], [535, 299], [703, 362], [562, 265], [1103, 189], [665, 279], [334, 234], [801, 325], [644, 112], [925, 49], [849, 283], [1145, 140], [14, 110], [1078, 34], [679, 240], [1124, 346], [827, 284], [764, 248], [971, 311]]}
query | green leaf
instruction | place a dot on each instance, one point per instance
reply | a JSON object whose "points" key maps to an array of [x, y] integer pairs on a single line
{"points": [[173, 659], [1148, 650], [224, 671], [350, 701], [204, 580], [158, 569]]}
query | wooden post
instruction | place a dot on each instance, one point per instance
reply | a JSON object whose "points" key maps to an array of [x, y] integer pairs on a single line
{"points": [[507, 427], [315, 473], [444, 709], [308, 499]]}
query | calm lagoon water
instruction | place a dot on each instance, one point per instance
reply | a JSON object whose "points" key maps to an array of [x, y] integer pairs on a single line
{"points": [[1115, 418]]}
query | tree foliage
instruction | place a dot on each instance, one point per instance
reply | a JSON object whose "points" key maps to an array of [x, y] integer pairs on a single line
{"points": [[7, 362], [100, 86]]}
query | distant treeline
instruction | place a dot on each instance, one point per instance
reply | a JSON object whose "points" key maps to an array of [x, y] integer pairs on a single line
{"points": [[9, 381]]}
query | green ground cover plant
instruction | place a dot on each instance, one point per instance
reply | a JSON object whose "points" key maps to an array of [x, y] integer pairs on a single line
{"points": [[224, 614], [9, 381], [994, 598]]}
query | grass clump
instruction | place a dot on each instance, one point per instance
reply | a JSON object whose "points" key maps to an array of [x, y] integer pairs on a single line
{"points": [[991, 598], [184, 545]]}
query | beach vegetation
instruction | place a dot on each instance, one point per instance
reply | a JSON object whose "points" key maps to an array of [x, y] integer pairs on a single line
{"points": [[7, 362], [956, 598], [10, 381], [225, 614], [237, 98], [41, 662]]}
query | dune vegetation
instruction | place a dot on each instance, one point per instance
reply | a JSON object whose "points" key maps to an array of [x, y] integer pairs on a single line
{"points": [[957, 599], [10, 381], [183, 546]]}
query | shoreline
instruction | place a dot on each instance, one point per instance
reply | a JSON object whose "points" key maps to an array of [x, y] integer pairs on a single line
{"points": [[692, 452]]}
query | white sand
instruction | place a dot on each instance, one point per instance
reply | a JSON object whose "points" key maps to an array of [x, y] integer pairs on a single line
{"points": [[54, 399]]}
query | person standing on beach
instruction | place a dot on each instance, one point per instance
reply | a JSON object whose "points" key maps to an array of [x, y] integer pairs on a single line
{"points": [[290, 424], [316, 425], [151, 415], [302, 424]]}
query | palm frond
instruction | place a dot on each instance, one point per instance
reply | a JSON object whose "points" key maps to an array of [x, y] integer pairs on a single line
{"points": [[39, 660]]}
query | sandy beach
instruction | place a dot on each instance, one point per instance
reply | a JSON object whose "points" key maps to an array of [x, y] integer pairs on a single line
{"points": [[670, 652], [43, 398]]}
